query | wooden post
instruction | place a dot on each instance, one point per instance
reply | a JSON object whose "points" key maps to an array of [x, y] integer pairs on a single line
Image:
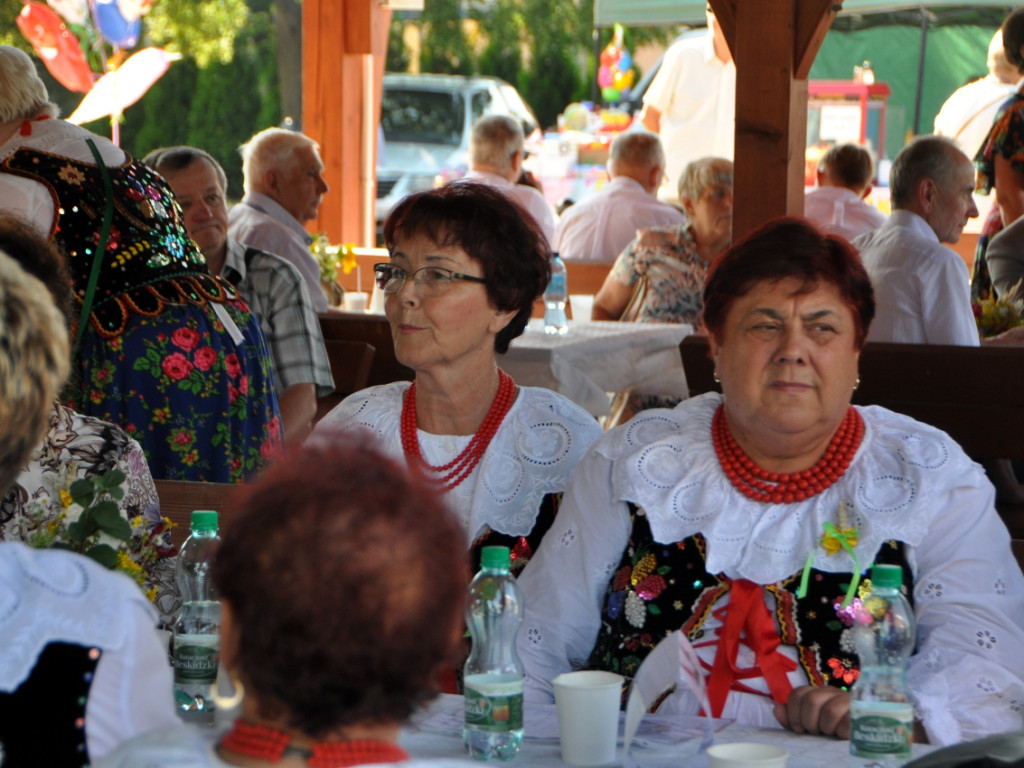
{"points": [[773, 44], [341, 40]]}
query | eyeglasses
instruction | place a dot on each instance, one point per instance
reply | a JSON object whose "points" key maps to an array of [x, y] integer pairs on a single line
{"points": [[432, 281]]}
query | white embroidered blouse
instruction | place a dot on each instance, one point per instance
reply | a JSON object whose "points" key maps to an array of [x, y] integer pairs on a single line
{"points": [[533, 453], [908, 482]]}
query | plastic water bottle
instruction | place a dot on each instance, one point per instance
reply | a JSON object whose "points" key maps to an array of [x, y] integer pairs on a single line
{"points": [[881, 709], [493, 678], [197, 631], [555, 296]]}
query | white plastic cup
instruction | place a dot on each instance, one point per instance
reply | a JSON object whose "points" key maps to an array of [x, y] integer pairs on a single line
{"points": [[747, 755], [582, 307], [588, 715], [356, 301]]}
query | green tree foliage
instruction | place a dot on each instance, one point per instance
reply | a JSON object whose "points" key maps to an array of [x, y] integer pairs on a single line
{"points": [[398, 55], [502, 56], [445, 45], [552, 79]]}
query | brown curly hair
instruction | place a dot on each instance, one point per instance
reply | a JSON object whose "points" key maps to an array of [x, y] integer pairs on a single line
{"points": [[346, 577]]}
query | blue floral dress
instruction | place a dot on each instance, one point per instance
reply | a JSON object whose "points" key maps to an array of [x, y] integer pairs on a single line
{"points": [[169, 353]]}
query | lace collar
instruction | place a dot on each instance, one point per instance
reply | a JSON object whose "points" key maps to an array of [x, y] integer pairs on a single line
{"points": [[663, 460], [532, 454]]}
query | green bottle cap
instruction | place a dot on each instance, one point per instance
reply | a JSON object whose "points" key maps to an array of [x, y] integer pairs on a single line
{"points": [[498, 558], [204, 520], [887, 576]]}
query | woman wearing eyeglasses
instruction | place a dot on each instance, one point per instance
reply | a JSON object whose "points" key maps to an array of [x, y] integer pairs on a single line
{"points": [[466, 265]]}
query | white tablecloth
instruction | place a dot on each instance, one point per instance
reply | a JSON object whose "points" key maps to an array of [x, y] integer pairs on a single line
{"points": [[596, 358], [440, 736]]}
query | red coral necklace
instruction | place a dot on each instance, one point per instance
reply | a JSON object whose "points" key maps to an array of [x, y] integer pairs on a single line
{"points": [[784, 488], [271, 745], [459, 468]]}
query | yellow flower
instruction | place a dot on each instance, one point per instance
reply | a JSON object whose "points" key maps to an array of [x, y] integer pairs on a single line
{"points": [[65, 498], [348, 257], [151, 594]]}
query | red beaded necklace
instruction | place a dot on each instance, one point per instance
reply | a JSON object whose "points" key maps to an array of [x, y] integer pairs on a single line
{"points": [[270, 744], [784, 488], [459, 468]]}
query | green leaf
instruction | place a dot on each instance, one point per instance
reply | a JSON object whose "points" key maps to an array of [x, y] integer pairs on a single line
{"points": [[113, 479], [663, 570], [80, 530], [83, 492], [653, 609], [109, 520], [140, 364], [834, 625], [103, 554]]}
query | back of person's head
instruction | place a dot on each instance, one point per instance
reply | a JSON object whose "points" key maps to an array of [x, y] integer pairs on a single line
{"points": [[635, 154], [924, 157], [41, 259], [702, 173], [171, 160], [782, 248], [998, 65], [34, 362], [494, 140], [493, 231], [343, 576], [270, 149], [23, 95], [1013, 38], [847, 165]]}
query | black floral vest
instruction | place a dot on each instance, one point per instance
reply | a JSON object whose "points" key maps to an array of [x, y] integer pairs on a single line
{"points": [[149, 260], [659, 588]]}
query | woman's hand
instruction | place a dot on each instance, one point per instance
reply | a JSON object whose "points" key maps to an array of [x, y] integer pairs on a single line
{"points": [[816, 709]]}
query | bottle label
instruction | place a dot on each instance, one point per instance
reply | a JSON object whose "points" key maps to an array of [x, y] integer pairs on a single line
{"points": [[195, 659], [881, 728], [557, 285], [494, 702]]}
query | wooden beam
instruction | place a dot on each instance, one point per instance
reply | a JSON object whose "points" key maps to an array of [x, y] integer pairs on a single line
{"points": [[336, 40], [814, 18]]}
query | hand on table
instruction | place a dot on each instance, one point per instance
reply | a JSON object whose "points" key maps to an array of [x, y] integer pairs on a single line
{"points": [[816, 709]]}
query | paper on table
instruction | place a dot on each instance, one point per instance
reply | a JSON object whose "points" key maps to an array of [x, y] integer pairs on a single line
{"points": [[672, 662]]}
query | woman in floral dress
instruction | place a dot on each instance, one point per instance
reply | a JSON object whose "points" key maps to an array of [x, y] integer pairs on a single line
{"points": [[163, 349], [1000, 161]]}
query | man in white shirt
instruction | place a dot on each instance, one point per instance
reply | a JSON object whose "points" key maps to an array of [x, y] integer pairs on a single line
{"points": [[837, 203], [922, 292], [284, 185], [967, 115], [599, 227], [691, 103], [496, 159]]}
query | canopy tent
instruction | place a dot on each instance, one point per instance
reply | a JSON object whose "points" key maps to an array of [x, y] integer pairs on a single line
{"points": [[652, 13], [923, 51]]}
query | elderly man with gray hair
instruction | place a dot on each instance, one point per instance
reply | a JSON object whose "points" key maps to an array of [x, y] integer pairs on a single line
{"points": [[284, 185], [496, 159], [598, 228], [921, 287]]}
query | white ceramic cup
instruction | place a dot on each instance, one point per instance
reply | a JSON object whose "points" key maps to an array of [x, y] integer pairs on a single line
{"points": [[588, 715], [582, 307], [356, 301], [747, 755]]}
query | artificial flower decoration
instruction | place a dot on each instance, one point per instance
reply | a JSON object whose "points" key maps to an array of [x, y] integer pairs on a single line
{"points": [[56, 45]]}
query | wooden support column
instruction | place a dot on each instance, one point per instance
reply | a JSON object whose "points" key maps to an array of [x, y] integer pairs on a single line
{"points": [[773, 44], [340, 42]]}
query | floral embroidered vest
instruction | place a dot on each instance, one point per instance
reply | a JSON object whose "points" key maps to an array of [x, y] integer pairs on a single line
{"points": [[659, 588], [149, 260]]}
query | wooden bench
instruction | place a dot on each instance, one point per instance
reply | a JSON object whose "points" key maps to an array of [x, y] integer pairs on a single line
{"points": [[179, 498], [975, 394]]}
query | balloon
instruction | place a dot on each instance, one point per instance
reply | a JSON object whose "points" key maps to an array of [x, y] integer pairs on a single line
{"points": [[625, 61], [115, 28], [604, 77], [118, 90], [607, 56], [56, 45], [618, 80], [611, 94], [627, 79], [74, 11], [624, 94]]}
